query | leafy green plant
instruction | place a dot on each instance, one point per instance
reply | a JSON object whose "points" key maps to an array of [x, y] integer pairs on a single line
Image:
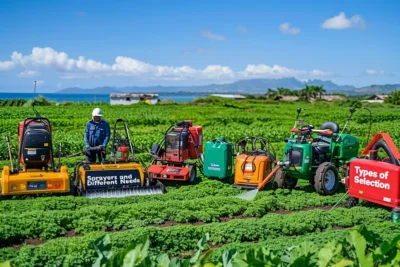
{"points": [[306, 254]]}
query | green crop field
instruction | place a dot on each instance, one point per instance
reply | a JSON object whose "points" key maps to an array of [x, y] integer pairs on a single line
{"points": [[62, 230]]}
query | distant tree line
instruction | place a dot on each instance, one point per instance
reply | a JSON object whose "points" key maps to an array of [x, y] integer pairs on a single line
{"points": [[310, 91], [393, 98]]}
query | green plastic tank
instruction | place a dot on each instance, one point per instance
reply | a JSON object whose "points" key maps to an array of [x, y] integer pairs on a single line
{"points": [[218, 158]]}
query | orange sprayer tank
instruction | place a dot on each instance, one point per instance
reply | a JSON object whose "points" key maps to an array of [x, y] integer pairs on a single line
{"points": [[197, 134], [251, 170]]}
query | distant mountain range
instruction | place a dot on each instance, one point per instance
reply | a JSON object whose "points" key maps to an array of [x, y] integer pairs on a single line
{"points": [[255, 86]]}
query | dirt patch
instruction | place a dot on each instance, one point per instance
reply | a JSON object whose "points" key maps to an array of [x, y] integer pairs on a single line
{"points": [[72, 233], [325, 208], [35, 241]]}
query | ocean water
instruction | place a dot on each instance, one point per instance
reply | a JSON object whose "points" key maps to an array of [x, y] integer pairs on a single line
{"points": [[177, 97]]}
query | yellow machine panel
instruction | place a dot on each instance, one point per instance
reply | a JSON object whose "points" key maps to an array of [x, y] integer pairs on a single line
{"points": [[113, 180], [34, 181], [250, 171], [130, 173]]}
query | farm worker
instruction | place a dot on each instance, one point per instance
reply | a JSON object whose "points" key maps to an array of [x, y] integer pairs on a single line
{"points": [[97, 135]]}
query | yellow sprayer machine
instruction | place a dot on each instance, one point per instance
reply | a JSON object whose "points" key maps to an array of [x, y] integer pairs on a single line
{"points": [[38, 173], [122, 175]]}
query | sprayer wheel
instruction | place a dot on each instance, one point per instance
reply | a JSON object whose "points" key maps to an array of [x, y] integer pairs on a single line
{"points": [[79, 188], [192, 174], [284, 181], [326, 179], [72, 188], [2, 197], [351, 202]]}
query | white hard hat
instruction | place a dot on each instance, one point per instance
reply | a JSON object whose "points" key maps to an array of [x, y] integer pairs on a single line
{"points": [[97, 112]]}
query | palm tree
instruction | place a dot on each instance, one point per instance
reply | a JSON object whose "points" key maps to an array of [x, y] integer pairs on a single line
{"points": [[307, 92], [319, 90], [271, 94]]}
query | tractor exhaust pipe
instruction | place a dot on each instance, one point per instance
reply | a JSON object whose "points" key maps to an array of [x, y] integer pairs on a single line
{"points": [[352, 110], [9, 152]]}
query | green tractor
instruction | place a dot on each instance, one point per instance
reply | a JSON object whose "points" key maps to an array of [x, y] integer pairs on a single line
{"points": [[316, 155]]}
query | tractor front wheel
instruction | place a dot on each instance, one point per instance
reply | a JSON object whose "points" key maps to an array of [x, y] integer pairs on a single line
{"points": [[284, 181], [326, 179]]}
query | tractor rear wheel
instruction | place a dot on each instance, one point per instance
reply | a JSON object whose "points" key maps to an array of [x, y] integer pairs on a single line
{"points": [[284, 181], [192, 174], [326, 179]]}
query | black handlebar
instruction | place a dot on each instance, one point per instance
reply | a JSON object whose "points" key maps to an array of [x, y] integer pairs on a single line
{"points": [[96, 148]]}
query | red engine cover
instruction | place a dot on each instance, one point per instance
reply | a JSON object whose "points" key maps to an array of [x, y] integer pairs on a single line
{"points": [[375, 181], [164, 172], [176, 155], [123, 153], [197, 134]]}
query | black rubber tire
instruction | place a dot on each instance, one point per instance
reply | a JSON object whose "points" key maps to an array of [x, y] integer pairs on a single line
{"points": [[2, 197], [79, 189], [312, 180], [72, 188], [283, 181], [192, 174], [319, 179], [382, 144], [351, 202]]}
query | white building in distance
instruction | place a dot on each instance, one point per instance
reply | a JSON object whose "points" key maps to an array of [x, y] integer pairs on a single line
{"points": [[129, 99]]}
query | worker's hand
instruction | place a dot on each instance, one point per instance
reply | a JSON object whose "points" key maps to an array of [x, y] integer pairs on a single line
{"points": [[101, 147], [87, 147]]}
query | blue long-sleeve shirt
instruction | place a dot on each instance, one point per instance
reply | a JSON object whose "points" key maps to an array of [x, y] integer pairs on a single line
{"points": [[97, 134]]}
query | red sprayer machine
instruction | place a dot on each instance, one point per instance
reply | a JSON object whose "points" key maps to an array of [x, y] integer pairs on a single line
{"points": [[181, 142], [375, 175]]}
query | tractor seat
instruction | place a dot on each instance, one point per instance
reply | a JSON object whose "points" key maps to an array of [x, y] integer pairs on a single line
{"points": [[321, 148], [323, 140], [330, 125]]}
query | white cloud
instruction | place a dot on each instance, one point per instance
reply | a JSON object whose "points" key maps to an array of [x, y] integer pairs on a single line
{"points": [[28, 73], [340, 22], [70, 68], [210, 35], [6, 65], [375, 73], [242, 29], [286, 29], [277, 71]]}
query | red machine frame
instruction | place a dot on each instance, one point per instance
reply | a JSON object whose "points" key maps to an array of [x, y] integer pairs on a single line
{"points": [[373, 179], [171, 164]]}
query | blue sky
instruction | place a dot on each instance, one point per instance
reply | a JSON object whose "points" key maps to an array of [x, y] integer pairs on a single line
{"points": [[124, 43]]}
